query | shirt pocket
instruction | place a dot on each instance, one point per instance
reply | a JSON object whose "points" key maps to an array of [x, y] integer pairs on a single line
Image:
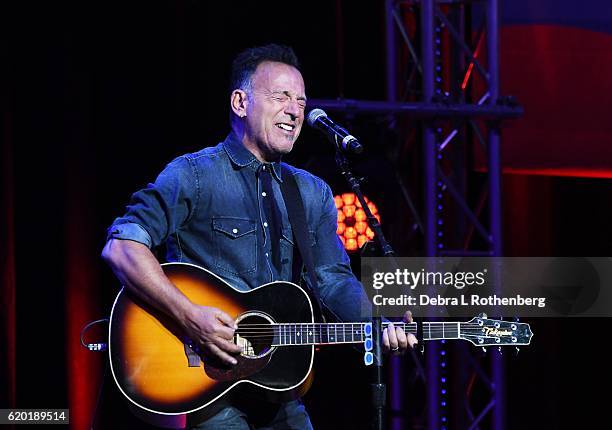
{"points": [[235, 242]]}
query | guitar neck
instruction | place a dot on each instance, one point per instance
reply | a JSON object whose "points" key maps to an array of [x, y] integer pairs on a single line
{"points": [[332, 333]]}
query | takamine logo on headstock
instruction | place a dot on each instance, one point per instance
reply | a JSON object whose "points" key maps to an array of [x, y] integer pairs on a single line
{"points": [[490, 331]]}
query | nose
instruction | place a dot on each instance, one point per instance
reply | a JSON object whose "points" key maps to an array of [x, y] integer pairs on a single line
{"points": [[292, 108]]}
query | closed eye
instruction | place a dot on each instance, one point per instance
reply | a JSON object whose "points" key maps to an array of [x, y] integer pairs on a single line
{"points": [[284, 97]]}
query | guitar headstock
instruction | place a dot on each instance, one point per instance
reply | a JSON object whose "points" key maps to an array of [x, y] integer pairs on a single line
{"points": [[482, 331]]}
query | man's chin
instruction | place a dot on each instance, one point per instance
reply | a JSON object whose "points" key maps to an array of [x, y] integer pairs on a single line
{"points": [[283, 149]]}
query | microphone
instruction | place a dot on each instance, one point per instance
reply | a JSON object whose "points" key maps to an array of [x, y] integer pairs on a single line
{"points": [[317, 118]]}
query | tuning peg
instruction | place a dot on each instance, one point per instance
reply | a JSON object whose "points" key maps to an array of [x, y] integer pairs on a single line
{"points": [[422, 349], [484, 350], [517, 350], [482, 315], [499, 348]]}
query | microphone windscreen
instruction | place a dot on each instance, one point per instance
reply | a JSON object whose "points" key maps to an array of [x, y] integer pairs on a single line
{"points": [[313, 115]]}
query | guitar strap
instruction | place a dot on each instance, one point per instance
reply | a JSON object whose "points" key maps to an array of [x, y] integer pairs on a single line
{"points": [[297, 218]]}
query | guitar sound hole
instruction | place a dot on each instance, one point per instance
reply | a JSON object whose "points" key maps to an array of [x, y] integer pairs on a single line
{"points": [[255, 335]]}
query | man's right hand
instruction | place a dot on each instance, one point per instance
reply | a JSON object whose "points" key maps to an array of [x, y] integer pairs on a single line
{"points": [[213, 330], [140, 272]]}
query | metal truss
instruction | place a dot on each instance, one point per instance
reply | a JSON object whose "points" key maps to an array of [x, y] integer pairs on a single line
{"points": [[436, 74]]}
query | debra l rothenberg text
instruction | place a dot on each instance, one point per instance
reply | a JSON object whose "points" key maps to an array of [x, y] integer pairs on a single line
{"points": [[462, 300]]}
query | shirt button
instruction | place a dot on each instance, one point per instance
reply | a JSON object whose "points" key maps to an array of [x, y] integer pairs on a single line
{"points": [[235, 231], [266, 254], [265, 224], [264, 193]]}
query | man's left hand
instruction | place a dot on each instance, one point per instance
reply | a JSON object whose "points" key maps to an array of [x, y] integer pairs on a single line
{"points": [[396, 340]]}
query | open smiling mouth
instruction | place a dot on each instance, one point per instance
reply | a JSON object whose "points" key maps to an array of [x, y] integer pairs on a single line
{"points": [[285, 126]]}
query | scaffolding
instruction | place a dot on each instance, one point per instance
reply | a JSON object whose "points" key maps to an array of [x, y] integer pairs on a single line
{"points": [[435, 73]]}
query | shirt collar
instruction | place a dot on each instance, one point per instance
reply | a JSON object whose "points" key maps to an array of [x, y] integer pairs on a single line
{"points": [[242, 157]]}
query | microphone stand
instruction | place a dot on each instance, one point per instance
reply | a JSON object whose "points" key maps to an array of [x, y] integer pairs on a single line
{"points": [[378, 388]]}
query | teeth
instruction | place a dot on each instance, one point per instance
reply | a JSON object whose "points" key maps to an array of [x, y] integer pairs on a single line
{"points": [[285, 127]]}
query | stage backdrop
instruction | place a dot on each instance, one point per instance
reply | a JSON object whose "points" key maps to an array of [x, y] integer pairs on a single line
{"points": [[98, 96]]}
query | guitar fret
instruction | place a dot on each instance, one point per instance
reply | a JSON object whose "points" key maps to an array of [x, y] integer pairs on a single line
{"points": [[443, 330]]}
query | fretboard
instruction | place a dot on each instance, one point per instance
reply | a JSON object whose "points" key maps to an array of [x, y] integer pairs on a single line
{"points": [[328, 333]]}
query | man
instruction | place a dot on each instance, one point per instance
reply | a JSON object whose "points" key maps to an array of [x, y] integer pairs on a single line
{"points": [[222, 208]]}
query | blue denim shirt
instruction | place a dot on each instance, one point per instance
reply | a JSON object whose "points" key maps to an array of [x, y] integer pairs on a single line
{"points": [[207, 207]]}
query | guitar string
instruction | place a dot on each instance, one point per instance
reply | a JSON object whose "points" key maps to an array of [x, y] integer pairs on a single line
{"points": [[350, 334], [450, 324], [292, 329], [302, 327], [351, 325], [348, 331], [362, 323]]}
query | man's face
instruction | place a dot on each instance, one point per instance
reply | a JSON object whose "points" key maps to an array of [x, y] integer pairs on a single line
{"points": [[275, 110]]}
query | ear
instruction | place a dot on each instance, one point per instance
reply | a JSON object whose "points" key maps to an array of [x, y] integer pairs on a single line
{"points": [[239, 102]]}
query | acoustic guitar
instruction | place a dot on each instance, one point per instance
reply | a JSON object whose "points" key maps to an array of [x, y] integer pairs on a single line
{"points": [[159, 370]]}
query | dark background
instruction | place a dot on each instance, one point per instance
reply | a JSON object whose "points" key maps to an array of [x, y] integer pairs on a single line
{"points": [[98, 96]]}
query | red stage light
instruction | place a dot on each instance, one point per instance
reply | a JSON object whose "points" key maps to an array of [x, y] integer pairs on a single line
{"points": [[352, 228]]}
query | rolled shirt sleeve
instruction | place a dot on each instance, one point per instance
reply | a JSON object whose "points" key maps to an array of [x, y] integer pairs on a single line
{"points": [[130, 231]]}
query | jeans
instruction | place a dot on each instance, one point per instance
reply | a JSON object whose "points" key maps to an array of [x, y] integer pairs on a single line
{"points": [[291, 415]]}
